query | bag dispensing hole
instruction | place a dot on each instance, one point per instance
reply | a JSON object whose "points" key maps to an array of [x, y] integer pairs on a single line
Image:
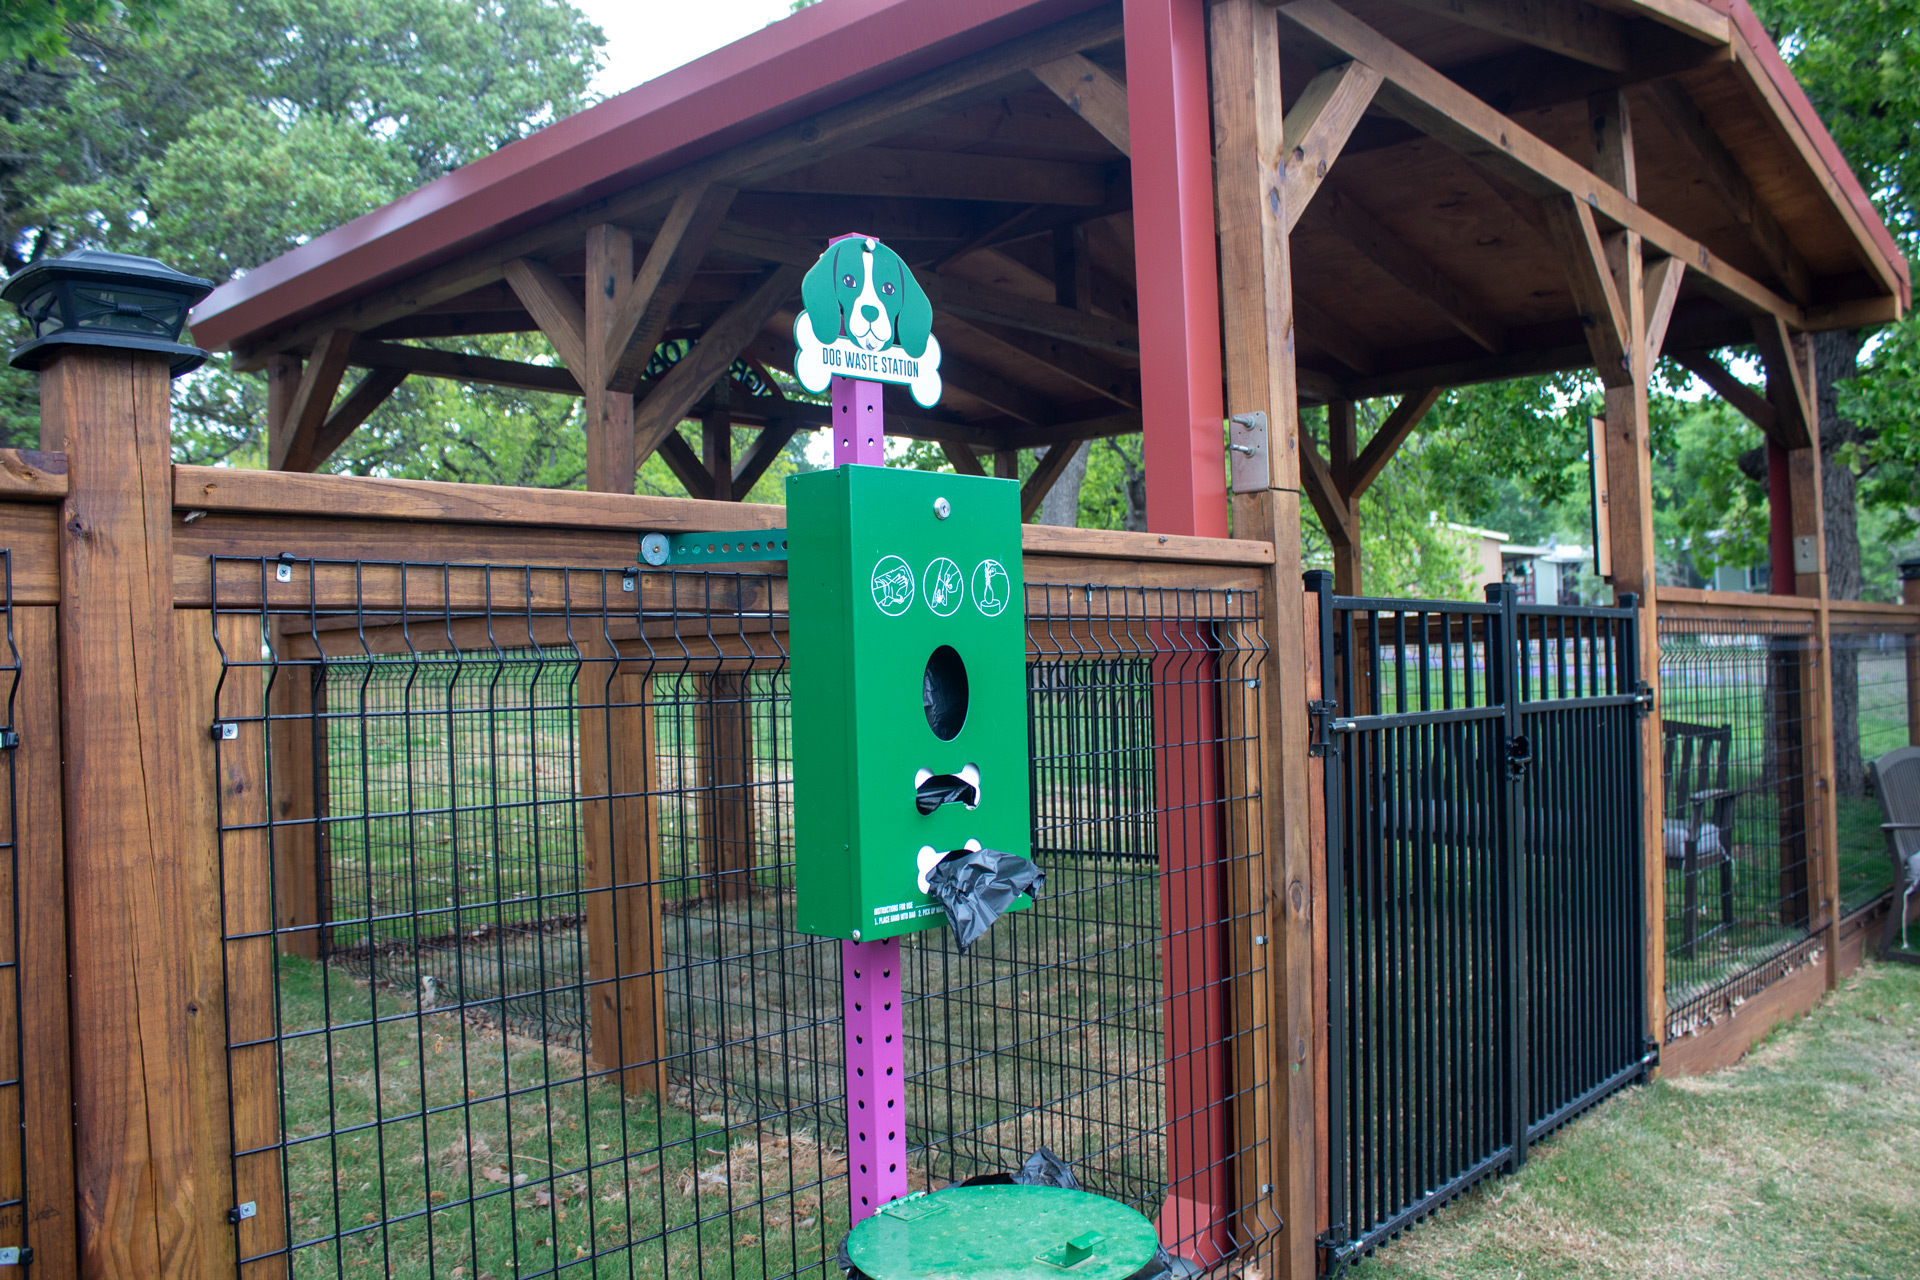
{"points": [[943, 693]]}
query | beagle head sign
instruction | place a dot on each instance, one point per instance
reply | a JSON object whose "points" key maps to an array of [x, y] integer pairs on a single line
{"points": [[866, 317]]}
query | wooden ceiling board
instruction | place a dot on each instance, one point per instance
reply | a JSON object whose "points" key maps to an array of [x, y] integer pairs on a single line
{"points": [[1005, 361], [1033, 123]]}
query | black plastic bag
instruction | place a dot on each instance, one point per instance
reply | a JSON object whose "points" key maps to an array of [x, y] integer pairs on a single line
{"points": [[976, 886]]}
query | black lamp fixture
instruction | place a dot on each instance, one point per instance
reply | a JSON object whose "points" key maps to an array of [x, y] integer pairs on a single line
{"points": [[95, 298]]}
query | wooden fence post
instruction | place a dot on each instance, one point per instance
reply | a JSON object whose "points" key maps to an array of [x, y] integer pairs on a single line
{"points": [[130, 889], [1910, 594], [725, 825], [298, 761]]}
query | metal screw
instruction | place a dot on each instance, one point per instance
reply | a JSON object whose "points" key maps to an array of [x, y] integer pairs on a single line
{"points": [[627, 577], [283, 571], [942, 508], [856, 935], [225, 731], [240, 1213], [655, 549]]}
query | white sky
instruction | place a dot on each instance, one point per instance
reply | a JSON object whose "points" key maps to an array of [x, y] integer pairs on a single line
{"points": [[648, 37]]}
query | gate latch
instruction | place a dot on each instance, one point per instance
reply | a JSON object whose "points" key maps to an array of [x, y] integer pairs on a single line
{"points": [[1519, 755], [1642, 699], [1322, 710]]}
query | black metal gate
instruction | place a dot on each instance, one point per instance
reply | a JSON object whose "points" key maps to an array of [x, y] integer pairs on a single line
{"points": [[1485, 913]]}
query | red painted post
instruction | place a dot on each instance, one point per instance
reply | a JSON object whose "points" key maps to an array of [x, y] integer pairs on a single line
{"points": [[1169, 116], [1182, 403]]}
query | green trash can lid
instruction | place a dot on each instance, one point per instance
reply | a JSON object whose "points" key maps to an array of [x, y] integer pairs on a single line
{"points": [[1003, 1233]]}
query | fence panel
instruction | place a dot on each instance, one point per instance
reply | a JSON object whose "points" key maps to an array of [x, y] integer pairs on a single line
{"points": [[1482, 848], [513, 983], [1742, 838], [1873, 696]]}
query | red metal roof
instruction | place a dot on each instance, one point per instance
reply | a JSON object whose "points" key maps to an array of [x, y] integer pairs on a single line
{"points": [[823, 55]]}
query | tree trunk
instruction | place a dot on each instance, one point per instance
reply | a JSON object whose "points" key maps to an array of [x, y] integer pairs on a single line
{"points": [[1061, 505], [1836, 356]]}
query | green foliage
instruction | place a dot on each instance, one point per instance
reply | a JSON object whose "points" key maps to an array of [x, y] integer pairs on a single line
{"points": [[40, 28], [230, 133], [1707, 513]]}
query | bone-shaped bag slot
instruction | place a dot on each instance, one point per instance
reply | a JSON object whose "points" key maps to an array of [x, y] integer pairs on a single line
{"points": [[931, 790]]}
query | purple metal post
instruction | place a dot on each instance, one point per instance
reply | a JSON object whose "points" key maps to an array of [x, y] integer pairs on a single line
{"points": [[859, 424], [876, 1075]]}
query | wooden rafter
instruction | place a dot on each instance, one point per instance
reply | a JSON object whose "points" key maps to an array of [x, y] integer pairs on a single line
{"points": [[1723, 174], [1443, 110], [1590, 276], [312, 398], [964, 460], [1413, 270], [997, 391], [1122, 386], [1316, 477], [685, 465], [761, 454], [1390, 436], [670, 399], [640, 320], [982, 302], [484, 370], [884, 113], [1318, 126], [1047, 470], [554, 308], [1749, 403], [367, 395], [1094, 93], [1786, 384], [947, 175], [1570, 28], [1333, 335], [1664, 279]]}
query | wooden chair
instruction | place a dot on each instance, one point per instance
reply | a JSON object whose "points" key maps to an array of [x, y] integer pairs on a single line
{"points": [[1896, 780], [1697, 760]]}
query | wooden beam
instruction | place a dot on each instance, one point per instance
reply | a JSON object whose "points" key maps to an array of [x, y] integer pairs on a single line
{"points": [[459, 367], [1122, 386], [1590, 276], [667, 404], [1409, 267], [1316, 478], [640, 321], [1750, 403], [307, 410], [1390, 436], [1047, 470], [716, 442], [1664, 279], [881, 114], [1332, 335], [1728, 181], [1318, 126], [1787, 388], [947, 175], [1570, 28], [686, 466], [1426, 99], [1342, 433], [554, 308], [606, 414], [997, 306], [369, 394], [964, 460], [1095, 94], [761, 454], [29, 475], [995, 390]]}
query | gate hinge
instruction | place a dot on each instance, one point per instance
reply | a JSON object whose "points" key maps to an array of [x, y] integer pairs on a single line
{"points": [[1642, 699], [1322, 710]]}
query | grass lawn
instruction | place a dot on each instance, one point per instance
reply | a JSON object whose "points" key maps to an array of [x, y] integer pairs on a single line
{"points": [[1804, 1160]]}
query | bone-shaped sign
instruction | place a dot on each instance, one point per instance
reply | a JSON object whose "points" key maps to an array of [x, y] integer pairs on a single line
{"points": [[816, 363]]}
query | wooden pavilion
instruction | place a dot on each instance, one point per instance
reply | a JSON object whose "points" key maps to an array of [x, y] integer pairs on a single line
{"points": [[1146, 217]]}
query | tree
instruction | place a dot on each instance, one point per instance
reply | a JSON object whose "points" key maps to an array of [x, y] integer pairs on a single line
{"points": [[230, 133]]}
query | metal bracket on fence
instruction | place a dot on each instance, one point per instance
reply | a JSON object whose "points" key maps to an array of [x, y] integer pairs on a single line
{"points": [[241, 1212], [671, 550], [16, 1255], [224, 731], [1642, 699], [629, 578], [9, 739], [283, 567], [1322, 710], [1248, 459]]}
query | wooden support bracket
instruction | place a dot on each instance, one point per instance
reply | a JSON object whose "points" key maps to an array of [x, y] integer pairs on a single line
{"points": [[554, 308], [1095, 94], [1391, 435], [640, 321], [307, 410], [1750, 403], [1317, 128], [1590, 276]]}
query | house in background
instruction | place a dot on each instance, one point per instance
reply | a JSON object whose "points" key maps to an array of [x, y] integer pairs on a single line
{"points": [[1548, 574]]}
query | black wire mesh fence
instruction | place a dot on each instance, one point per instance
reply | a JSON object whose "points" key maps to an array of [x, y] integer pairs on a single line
{"points": [[1742, 836], [1484, 957], [513, 984], [1872, 667]]}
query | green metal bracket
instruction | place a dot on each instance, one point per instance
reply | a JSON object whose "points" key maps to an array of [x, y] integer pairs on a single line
{"points": [[1075, 1251], [672, 550]]}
